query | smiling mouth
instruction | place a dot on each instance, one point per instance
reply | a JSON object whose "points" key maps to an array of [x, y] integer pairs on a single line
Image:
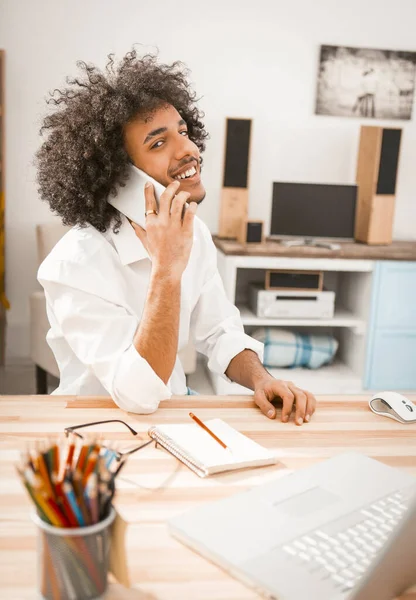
{"points": [[190, 174]]}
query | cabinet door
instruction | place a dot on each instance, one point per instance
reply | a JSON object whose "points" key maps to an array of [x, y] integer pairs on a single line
{"points": [[395, 299], [391, 351], [393, 361]]}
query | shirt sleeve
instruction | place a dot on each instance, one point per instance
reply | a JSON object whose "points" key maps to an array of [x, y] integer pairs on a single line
{"points": [[216, 323], [100, 333]]}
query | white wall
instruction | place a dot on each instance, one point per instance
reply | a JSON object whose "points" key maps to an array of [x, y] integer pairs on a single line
{"points": [[253, 59]]}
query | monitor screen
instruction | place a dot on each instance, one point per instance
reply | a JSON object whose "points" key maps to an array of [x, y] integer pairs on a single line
{"points": [[313, 210]]}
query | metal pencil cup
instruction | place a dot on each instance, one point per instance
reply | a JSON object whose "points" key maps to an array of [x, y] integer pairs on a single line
{"points": [[73, 562]]}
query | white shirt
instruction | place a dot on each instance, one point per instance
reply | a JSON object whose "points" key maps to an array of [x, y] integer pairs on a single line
{"points": [[96, 286]]}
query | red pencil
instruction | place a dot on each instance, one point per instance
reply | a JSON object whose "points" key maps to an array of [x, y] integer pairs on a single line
{"points": [[61, 519]]}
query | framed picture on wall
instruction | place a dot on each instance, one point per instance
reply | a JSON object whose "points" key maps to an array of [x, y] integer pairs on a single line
{"points": [[364, 82]]}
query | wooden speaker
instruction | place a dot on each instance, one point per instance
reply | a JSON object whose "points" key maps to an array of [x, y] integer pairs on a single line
{"points": [[378, 160], [251, 232], [234, 197], [294, 280]]}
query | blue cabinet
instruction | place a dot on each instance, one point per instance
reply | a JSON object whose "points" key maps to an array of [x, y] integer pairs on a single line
{"points": [[391, 351]]}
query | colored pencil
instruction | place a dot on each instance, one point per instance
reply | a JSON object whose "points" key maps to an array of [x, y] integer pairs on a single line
{"points": [[70, 496], [90, 466], [91, 492], [70, 454], [44, 473]]}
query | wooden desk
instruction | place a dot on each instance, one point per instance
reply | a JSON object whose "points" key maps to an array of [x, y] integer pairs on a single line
{"points": [[154, 486]]}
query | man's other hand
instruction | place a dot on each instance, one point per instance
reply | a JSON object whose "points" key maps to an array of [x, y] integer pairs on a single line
{"points": [[293, 398]]}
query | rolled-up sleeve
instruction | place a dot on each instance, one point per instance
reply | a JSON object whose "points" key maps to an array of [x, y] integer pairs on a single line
{"points": [[100, 334], [216, 323], [136, 387]]}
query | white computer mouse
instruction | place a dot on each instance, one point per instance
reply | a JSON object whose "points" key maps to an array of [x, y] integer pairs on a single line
{"points": [[393, 405]]}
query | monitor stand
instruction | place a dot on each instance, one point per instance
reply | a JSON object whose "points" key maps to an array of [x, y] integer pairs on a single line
{"points": [[310, 242]]}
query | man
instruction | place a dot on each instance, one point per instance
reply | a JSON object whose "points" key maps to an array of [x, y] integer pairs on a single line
{"points": [[123, 297]]}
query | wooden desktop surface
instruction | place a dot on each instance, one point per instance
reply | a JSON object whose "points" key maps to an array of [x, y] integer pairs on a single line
{"points": [[352, 250], [154, 486]]}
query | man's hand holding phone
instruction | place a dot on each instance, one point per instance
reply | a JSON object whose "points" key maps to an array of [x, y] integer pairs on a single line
{"points": [[169, 230]]}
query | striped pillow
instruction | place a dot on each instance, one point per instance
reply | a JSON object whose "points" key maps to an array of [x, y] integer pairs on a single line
{"points": [[283, 348]]}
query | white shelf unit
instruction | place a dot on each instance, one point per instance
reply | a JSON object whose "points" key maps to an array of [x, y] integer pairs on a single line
{"points": [[351, 279], [336, 378], [341, 318]]}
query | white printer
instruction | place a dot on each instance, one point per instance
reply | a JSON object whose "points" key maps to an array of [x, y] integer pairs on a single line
{"points": [[291, 304]]}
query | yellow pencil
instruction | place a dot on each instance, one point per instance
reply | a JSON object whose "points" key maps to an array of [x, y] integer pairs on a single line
{"points": [[41, 502]]}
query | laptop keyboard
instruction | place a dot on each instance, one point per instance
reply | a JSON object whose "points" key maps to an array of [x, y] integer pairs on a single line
{"points": [[343, 550]]}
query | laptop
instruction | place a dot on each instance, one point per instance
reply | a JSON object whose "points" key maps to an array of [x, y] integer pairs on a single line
{"points": [[342, 529]]}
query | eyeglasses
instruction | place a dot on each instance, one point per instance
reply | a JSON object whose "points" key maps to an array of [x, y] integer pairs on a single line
{"points": [[119, 456]]}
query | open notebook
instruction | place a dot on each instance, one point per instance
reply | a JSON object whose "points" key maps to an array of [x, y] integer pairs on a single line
{"points": [[200, 452]]}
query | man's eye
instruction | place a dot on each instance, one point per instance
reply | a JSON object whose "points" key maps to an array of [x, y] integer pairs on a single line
{"points": [[184, 133], [157, 144]]}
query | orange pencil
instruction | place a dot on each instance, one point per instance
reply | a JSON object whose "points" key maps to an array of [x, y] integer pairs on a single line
{"points": [[82, 457], [211, 433], [90, 466], [44, 474]]}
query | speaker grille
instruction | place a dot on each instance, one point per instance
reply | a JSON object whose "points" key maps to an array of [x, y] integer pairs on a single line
{"points": [[237, 153], [389, 158], [254, 232]]}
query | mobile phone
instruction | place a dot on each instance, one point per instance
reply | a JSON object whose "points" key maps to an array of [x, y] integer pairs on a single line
{"points": [[130, 199]]}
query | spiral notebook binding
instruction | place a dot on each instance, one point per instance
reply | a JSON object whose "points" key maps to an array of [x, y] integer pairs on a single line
{"points": [[166, 442]]}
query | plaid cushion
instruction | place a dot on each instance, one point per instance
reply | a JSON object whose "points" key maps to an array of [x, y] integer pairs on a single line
{"points": [[284, 348]]}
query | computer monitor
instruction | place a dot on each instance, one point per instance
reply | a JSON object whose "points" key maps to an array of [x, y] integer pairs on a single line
{"points": [[312, 210]]}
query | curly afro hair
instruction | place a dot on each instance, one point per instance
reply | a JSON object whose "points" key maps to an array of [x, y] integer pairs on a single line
{"points": [[83, 161]]}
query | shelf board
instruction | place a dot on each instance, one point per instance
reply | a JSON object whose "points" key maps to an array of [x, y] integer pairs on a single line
{"points": [[336, 378], [341, 318]]}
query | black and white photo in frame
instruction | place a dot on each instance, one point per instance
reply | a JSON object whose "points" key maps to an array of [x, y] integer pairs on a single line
{"points": [[364, 82]]}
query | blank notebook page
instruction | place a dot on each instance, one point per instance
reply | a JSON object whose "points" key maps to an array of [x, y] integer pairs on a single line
{"points": [[194, 441]]}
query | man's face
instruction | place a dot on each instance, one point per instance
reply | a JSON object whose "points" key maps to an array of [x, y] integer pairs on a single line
{"points": [[159, 145]]}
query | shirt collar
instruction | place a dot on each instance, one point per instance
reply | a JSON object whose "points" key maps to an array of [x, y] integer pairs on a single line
{"points": [[128, 246], [126, 242]]}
